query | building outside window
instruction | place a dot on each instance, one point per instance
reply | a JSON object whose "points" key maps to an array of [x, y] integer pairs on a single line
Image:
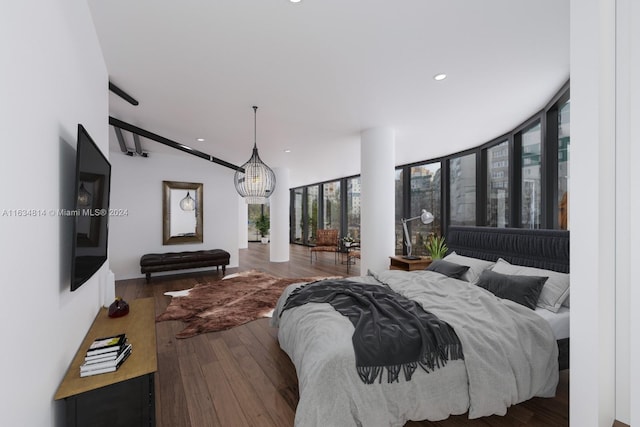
{"points": [[424, 194], [498, 206], [531, 183], [462, 190]]}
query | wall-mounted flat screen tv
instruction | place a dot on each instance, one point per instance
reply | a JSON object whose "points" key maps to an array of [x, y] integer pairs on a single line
{"points": [[91, 210]]}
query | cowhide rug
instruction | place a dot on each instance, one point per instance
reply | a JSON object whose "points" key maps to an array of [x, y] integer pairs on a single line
{"points": [[223, 304]]}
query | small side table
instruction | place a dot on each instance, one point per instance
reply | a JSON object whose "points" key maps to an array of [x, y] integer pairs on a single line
{"points": [[399, 263], [353, 253]]}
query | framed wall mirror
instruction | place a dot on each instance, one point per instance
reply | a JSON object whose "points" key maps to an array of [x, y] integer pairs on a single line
{"points": [[181, 212]]}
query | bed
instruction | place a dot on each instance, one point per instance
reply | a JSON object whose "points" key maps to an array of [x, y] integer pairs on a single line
{"points": [[511, 352]]}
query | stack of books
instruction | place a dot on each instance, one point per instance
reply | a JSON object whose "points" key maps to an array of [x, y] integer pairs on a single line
{"points": [[105, 355]]}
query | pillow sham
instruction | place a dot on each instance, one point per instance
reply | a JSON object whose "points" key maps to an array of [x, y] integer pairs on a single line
{"points": [[525, 290], [476, 266], [555, 290], [447, 268]]}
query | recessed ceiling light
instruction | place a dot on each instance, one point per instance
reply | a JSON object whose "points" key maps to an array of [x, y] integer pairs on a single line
{"points": [[200, 139], [287, 151], [294, 1], [440, 76]]}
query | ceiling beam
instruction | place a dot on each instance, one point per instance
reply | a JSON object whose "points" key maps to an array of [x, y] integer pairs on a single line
{"points": [[122, 94], [162, 140]]}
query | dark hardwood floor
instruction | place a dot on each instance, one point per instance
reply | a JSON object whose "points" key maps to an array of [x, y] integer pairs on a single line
{"points": [[240, 377]]}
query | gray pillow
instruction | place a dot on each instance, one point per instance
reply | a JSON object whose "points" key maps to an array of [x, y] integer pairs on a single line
{"points": [[555, 290], [476, 266], [449, 269], [525, 290]]}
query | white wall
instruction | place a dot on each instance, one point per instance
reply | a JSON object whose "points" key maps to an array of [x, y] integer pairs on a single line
{"points": [[136, 186], [604, 198], [627, 209], [53, 77]]}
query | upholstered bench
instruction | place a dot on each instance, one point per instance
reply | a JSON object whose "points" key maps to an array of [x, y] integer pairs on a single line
{"points": [[153, 263]]}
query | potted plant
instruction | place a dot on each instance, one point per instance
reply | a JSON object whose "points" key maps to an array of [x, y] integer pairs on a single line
{"points": [[262, 225], [348, 240], [436, 246]]}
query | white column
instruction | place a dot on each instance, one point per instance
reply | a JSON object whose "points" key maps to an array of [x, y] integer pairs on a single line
{"points": [[377, 215], [243, 223], [279, 207], [592, 201]]}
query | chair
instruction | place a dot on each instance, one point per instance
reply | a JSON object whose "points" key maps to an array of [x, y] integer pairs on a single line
{"points": [[326, 241]]}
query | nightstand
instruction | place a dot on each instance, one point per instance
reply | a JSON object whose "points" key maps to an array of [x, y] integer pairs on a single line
{"points": [[399, 263]]}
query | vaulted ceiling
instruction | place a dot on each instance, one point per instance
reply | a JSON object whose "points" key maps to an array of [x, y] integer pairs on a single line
{"points": [[323, 70]]}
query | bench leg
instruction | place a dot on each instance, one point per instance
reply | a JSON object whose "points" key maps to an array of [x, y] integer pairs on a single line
{"points": [[224, 269], [148, 277]]}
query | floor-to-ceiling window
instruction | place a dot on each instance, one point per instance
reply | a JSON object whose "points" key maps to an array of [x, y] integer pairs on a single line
{"points": [[312, 213], [399, 196], [462, 190], [564, 138], [424, 193], [298, 218], [498, 205], [531, 185], [331, 206], [353, 208]]}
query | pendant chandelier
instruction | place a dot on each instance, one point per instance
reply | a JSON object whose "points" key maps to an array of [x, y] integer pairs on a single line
{"points": [[188, 203], [258, 181], [83, 196]]}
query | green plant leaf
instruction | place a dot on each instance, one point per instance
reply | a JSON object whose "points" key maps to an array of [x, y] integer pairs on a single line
{"points": [[436, 246]]}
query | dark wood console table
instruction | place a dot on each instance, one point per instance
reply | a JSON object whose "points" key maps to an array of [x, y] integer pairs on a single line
{"points": [[125, 397]]}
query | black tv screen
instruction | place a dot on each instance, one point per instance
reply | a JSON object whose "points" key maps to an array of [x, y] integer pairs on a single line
{"points": [[91, 210]]}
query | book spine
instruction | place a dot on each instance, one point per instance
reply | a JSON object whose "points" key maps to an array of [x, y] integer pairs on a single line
{"points": [[97, 371], [110, 355], [87, 366], [105, 345], [102, 358], [104, 370]]}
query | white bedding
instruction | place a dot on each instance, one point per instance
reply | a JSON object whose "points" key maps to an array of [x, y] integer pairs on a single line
{"points": [[559, 321], [510, 356]]}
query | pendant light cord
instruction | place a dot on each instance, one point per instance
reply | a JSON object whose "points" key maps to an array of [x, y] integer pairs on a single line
{"points": [[255, 138]]}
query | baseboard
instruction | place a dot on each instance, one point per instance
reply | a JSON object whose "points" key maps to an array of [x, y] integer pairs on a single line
{"points": [[617, 423]]}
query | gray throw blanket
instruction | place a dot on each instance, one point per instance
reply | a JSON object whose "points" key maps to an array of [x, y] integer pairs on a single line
{"points": [[391, 332]]}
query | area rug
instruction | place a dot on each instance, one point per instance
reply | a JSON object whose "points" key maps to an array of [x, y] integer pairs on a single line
{"points": [[223, 304]]}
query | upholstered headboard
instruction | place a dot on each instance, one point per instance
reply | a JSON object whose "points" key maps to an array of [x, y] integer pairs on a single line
{"points": [[548, 249]]}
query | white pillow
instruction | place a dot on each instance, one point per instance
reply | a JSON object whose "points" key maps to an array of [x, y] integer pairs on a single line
{"points": [[476, 266], [555, 290]]}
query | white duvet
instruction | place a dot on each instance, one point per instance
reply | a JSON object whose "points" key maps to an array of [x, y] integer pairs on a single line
{"points": [[510, 356]]}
